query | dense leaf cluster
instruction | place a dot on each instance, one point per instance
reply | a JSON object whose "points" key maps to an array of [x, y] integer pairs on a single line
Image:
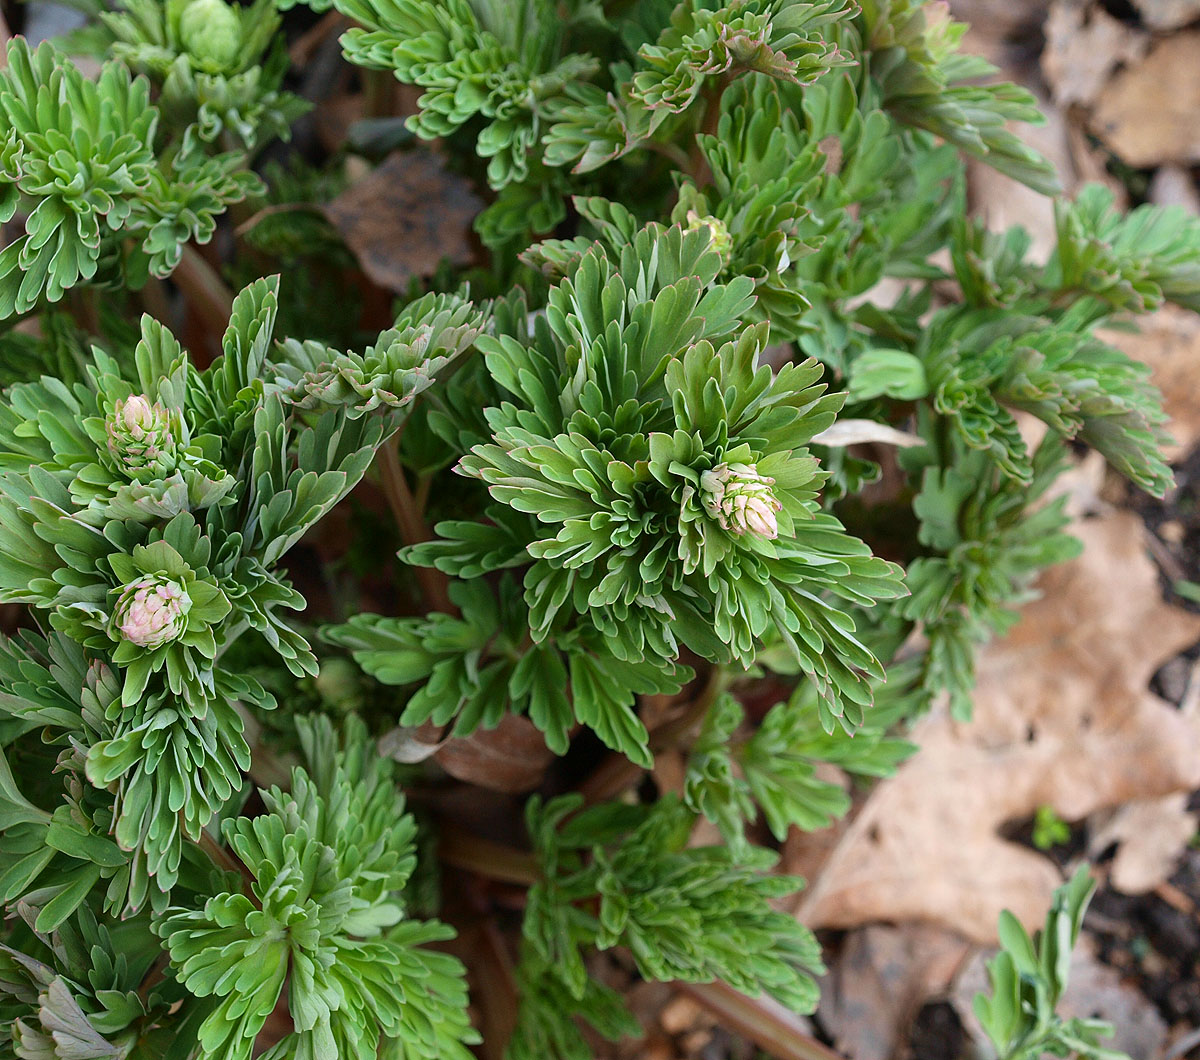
{"points": [[628, 518]]}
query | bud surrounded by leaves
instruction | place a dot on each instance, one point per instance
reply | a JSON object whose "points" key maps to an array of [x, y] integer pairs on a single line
{"points": [[163, 600], [140, 437], [211, 33], [740, 499], [718, 232], [152, 611]]}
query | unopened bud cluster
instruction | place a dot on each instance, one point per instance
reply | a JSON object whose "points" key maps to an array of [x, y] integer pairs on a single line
{"points": [[740, 499], [210, 31], [140, 436], [152, 611]]}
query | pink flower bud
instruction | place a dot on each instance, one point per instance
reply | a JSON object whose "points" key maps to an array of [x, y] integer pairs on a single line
{"points": [[140, 436], [152, 611]]}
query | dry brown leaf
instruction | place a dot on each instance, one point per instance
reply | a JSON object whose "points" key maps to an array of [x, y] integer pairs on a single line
{"points": [[1009, 19], [1167, 14], [1094, 991], [1169, 342], [1063, 718], [1083, 485], [1150, 113], [1152, 835], [1174, 186], [511, 757], [1084, 45], [405, 216], [1090, 163], [882, 977]]}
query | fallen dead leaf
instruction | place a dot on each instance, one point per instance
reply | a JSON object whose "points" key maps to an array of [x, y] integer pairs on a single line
{"points": [[882, 977], [1174, 186], [511, 757], [1150, 113], [1094, 991], [1090, 162], [1010, 19], [857, 432], [1083, 485], [1151, 835], [1169, 342], [405, 216], [1167, 14], [1063, 718], [1084, 45]]}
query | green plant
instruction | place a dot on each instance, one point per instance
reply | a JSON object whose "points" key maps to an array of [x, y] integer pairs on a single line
{"points": [[1028, 978], [610, 458], [1049, 829]]}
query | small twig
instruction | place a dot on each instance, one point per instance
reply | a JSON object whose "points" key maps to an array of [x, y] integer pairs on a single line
{"points": [[155, 301], [1184, 1046], [487, 858], [496, 980], [434, 584], [204, 290], [154, 975], [379, 94], [253, 220], [1175, 898], [1162, 555], [424, 486], [763, 1021], [311, 39]]}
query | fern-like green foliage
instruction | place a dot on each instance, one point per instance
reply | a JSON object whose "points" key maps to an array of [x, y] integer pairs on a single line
{"points": [[1134, 262], [730, 775], [1028, 977], [668, 498], [545, 87], [79, 162], [327, 863], [928, 83], [219, 67], [475, 669], [144, 515], [615, 456], [77, 991], [623, 875]]}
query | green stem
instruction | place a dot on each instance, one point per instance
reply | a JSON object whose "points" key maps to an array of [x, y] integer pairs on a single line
{"points": [[697, 165]]}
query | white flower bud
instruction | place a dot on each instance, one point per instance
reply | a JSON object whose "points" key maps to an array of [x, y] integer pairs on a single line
{"points": [[151, 611], [740, 499]]}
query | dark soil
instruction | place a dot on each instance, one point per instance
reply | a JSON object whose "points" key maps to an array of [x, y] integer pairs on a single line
{"points": [[1154, 944], [937, 1034]]}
